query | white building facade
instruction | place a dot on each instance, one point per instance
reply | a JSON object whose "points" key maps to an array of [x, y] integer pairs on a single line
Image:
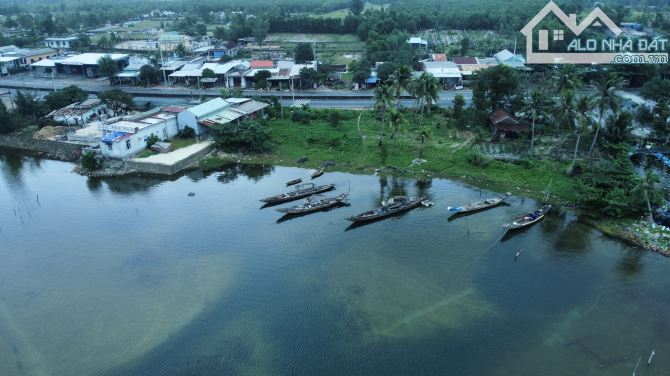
{"points": [[128, 135]]}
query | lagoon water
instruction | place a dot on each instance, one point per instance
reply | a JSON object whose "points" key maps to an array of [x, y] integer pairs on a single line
{"points": [[130, 276]]}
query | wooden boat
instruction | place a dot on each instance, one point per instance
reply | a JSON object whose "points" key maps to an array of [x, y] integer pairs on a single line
{"points": [[294, 182], [301, 191], [315, 203], [393, 206], [481, 205], [318, 173], [528, 219]]}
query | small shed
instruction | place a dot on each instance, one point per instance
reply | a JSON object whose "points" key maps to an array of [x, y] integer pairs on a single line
{"points": [[505, 125]]}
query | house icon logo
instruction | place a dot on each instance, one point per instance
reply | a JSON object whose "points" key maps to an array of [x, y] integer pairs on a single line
{"points": [[605, 50]]}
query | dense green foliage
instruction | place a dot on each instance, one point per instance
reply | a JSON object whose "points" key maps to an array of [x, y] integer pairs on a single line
{"points": [[90, 161], [66, 96], [608, 187], [249, 136], [149, 75]]}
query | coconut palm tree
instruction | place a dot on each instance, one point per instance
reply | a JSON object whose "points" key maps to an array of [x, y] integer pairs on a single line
{"points": [[383, 100], [426, 90], [647, 186], [536, 108], [401, 80], [605, 88], [584, 106], [565, 111], [424, 134], [565, 77], [395, 120]]}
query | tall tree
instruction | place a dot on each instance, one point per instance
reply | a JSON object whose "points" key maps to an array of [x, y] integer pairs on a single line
{"points": [[261, 28], [400, 80], [606, 99], [303, 53], [536, 108], [383, 99], [565, 77], [357, 7], [565, 111], [583, 109], [647, 185], [107, 67], [424, 133]]}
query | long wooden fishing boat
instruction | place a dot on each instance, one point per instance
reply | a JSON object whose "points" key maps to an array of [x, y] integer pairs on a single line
{"points": [[318, 173], [479, 206], [301, 191], [315, 203], [392, 206], [293, 182], [528, 219]]}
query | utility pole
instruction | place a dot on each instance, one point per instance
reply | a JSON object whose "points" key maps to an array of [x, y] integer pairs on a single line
{"points": [[162, 66]]}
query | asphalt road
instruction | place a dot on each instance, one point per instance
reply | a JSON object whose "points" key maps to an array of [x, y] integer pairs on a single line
{"points": [[161, 95]]}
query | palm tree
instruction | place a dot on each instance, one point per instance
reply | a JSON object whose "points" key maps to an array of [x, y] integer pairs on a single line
{"points": [[535, 107], [584, 106], [605, 88], [565, 77], [400, 80], [565, 112], [424, 133], [395, 120], [647, 185], [426, 90], [383, 100]]}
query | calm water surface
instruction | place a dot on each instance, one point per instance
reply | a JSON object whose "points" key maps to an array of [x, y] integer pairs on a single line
{"points": [[130, 276]]}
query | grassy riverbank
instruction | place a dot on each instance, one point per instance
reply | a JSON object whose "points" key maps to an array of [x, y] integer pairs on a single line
{"points": [[448, 153]]}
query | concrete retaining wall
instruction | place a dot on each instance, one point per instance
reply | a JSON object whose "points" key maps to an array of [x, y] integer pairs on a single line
{"points": [[167, 169], [45, 148]]}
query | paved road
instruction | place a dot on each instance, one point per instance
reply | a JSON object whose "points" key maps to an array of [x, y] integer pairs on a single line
{"points": [[161, 95]]}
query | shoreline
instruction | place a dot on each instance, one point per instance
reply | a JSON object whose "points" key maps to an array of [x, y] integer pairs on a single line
{"points": [[618, 229]]}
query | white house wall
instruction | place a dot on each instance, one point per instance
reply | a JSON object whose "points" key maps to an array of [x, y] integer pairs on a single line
{"points": [[138, 141]]}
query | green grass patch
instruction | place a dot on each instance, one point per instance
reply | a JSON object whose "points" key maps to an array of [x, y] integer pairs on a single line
{"points": [[355, 149], [177, 143]]}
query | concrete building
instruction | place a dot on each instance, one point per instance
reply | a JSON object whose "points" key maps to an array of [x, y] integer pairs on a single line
{"points": [[60, 43], [446, 71], [87, 64], [170, 41], [227, 49], [417, 42], [126, 136], [80, 113], [219, 111]]}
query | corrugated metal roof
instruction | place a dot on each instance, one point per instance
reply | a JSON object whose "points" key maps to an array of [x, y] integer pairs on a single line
{"points": [[209, 107], [89, 58]]}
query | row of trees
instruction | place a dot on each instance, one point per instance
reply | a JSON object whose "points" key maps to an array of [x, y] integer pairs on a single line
{"points": [[424, 88]]}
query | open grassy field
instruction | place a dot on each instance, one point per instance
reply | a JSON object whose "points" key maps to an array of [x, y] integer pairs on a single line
{"points": [[355, 149]]}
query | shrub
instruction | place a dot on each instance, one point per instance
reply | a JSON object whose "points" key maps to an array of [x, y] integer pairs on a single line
{"points": [[186, 133], [334, 119], [477, 159], [90, 161], [152, 140], [300, 117], [248, 137]]}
